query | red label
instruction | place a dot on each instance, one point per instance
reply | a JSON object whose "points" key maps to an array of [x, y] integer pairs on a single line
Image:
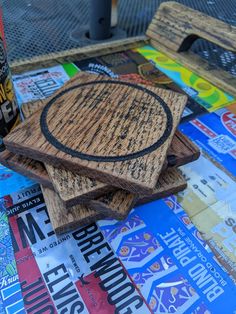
{"points": [[93, 296], [34, 291], [229, 121]]}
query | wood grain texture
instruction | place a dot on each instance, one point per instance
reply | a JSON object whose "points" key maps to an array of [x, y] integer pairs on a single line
{"points": [[74, 188], [178, 26], [63, 219], [70, 185], [175, 27], [181, 151], [170, 182], [36, 171], [120, 202], [86, 128], [115, 204], [31, 107]]}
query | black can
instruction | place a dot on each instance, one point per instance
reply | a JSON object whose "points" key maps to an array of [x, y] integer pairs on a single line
{"points": [[9, 112]]}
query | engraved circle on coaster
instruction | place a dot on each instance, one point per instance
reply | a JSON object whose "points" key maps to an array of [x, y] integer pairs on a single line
{"points": [[106, 121]]}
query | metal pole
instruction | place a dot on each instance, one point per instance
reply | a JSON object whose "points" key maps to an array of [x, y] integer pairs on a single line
{"points": [[100, 19]]}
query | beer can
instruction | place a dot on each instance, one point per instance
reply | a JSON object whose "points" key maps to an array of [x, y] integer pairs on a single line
{"points": [[9, 112]]}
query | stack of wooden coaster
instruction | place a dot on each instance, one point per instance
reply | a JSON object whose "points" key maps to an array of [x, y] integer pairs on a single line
{"points": [[99, 146]]}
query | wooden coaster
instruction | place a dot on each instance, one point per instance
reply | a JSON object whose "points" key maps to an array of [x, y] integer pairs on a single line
{"points": [[63, 219], [113, 131], [181, 151], [117, 203], [74, 189]]}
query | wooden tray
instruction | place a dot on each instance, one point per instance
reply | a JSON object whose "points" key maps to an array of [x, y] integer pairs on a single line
{"points": [[173, 30]]}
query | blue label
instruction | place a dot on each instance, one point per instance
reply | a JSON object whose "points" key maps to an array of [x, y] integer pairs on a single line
{"points": [[215, 133]]}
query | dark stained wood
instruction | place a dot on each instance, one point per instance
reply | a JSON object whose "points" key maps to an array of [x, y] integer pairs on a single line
{"points": [[74, 188], [104, 128], [181, 151], [170, 182], [115, 204], [175, 27]]}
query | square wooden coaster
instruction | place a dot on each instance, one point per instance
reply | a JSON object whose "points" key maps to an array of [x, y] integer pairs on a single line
{"points": [[113, 131], [74, 188]]}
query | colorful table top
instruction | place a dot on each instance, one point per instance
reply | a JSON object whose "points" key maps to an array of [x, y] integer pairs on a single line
{"points": [[154, 261]]}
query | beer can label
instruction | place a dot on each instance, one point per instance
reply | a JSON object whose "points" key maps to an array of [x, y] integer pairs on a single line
{"points": [[9, 112]]}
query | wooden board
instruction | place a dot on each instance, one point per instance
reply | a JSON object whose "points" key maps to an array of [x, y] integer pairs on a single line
{"points": [[120, 137], [63, 219], [115, 205], [71, 187], [30, 108], [74, 188], [175, 27], [171, 19]]}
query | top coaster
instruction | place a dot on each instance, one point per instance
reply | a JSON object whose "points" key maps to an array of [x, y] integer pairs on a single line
{"points": [[107, 129], [74, 188]]}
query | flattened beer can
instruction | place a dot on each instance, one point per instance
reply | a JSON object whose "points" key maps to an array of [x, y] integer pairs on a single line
{"points": [[9, 112]]}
